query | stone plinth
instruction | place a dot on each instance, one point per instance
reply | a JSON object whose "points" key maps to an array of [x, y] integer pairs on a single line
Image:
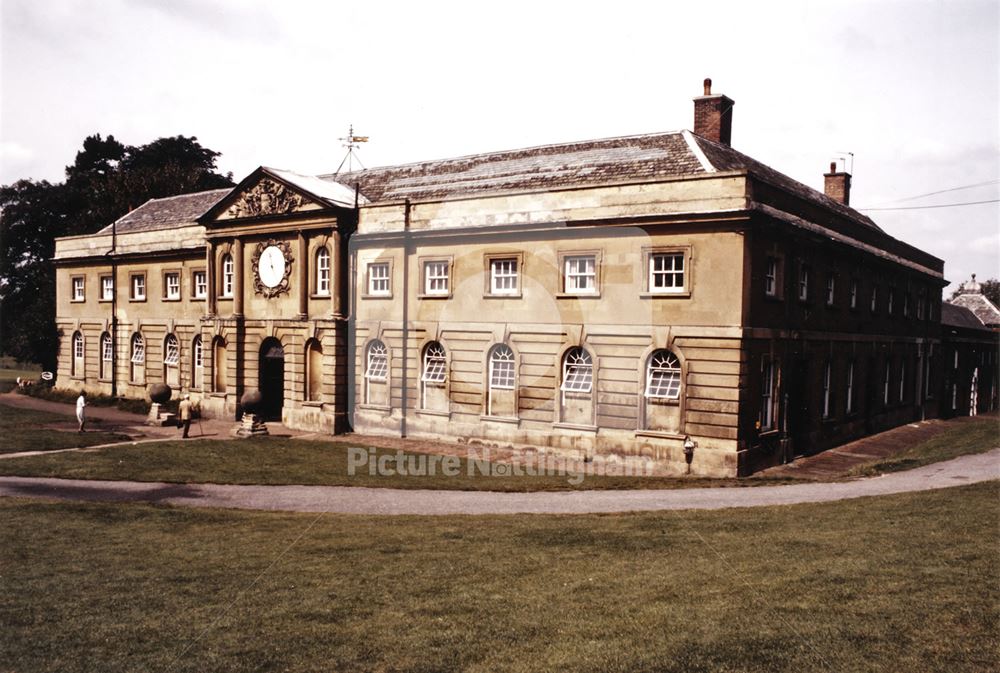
{"points": [[251, 426], [160, 418]]}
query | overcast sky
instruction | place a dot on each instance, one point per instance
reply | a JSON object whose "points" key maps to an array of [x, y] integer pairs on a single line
{"points": [[912, 88]]}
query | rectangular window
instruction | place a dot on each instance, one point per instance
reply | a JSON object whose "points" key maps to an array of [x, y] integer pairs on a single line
{"points": [[172, 285], [503, 276], [885, 385], [666, 272], [501, 374], [378, 279], [849, 402], [771, 278], [107, 288], [580, 274], [906, 305], [803, 282], [956, 359], [200, 284], [436, 278], [78, 347], [199, 356], [920, 307], [78, 289], [323, 272], [767, 394], [891, 300], [830, 289], [854, 293], [902, 380], [378, 366], [874, 302], [138, 287], [228, 276], [827, 390], [107, 350], [138, 351]]}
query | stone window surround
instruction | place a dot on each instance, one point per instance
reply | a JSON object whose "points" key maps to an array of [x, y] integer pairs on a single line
{"points": [[647, 256], [598, 255]]}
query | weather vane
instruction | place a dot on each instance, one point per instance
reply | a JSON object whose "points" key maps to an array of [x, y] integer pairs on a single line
{"points": [[351, 142]]}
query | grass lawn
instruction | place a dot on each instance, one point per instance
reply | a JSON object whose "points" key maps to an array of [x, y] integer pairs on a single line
{"points": [[971, 436], [275, 460], [8, 376], [24, 430], [898, 583]]}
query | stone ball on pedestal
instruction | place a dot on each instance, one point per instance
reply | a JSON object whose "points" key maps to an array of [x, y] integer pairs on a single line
{"points": [[160, 393], [251, 401]]}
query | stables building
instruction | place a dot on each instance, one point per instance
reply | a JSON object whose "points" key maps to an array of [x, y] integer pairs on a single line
{"points": [[619, 296]]}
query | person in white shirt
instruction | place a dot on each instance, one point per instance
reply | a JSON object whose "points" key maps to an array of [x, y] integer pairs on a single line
{"points": [[81, 405]]}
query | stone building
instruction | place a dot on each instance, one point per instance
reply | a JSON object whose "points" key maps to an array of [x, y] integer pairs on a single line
{"points": [[970, 325], [617, 296]]}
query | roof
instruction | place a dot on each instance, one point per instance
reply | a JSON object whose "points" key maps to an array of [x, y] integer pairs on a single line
{"points": [[167, 213], [334, 193], [982, 308], [953, 315], [589, 162], [609, 160]]}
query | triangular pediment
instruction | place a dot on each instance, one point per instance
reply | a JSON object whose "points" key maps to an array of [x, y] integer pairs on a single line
{"points": [[269, 192]]}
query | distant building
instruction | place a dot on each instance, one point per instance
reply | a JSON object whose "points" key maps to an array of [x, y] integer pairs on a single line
{"points": [[970, 323], [615, 296]]}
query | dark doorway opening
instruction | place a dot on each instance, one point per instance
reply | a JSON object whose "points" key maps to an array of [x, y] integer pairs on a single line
{"points": [[272, 379], [799, 406]]}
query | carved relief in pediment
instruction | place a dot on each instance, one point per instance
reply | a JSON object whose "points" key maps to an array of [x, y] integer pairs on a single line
{"points": [[267, 197]]}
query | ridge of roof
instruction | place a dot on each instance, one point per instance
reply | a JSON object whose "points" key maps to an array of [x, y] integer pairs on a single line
{"points": [[955, 315], [980, 306]]}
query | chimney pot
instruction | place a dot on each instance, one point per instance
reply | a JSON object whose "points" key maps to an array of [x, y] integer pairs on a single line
{"points": [[708, 86], [833, 166]]}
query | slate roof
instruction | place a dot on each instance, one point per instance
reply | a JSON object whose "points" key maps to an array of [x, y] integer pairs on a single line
{"points": [[981, 307], [583, 163], [169, 212], [590, 162], [953, 315]]}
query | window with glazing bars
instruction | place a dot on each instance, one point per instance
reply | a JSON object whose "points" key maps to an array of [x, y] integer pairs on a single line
{"points": [[503, 276], [200, 285], [78, 294], [849, 406], [666, 272], [197, 353], [378, 362], [378, 278], [767, 394], [138, 349], [436, 277], [228, 276], [826, 390], [138, 287], [502, 368], [172, 353], [435, 363], [107, 287], [78, 345], [581, 274], [107, 348], [663, 376], [771, 277], [173, 283], [578, 371], [830, 289], [323, 271]]}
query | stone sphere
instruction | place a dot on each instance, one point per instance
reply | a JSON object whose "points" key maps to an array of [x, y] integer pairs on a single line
{"points": [[251, 400], [160, 393]]}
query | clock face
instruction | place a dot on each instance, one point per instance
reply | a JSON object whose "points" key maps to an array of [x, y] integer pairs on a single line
{"points": [[271, 267]]}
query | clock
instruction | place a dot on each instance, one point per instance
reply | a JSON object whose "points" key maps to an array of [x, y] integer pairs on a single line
{"points": [[272, 265]]}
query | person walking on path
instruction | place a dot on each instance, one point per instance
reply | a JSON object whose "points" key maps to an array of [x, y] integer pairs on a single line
{"points": [[184, 410], [81, 406]]}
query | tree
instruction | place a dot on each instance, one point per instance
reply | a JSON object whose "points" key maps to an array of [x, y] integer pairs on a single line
{"points": [[107, 180]]}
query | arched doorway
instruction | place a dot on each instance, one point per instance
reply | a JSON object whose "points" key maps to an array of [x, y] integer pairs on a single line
{"points": [[272, 379]]}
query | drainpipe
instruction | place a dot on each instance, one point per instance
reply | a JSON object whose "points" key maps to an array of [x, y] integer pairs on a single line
{"points": [[114, 310], [406, 313]]}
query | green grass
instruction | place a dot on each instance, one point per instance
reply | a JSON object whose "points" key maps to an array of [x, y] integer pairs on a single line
{"points": [[966, 437], [25, 430], [11, 370], [275, 460], [898, 583]]}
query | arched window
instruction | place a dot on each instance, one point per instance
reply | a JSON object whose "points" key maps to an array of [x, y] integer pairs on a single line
{"points": [[77, 365], [578, 371], [377, 374], [323, 271], [219, 365], [107, 355], [137, 369], [501, 372], [314, 370], [663, 376], [197, 363], [661, 398], [228, 275], [435, 363], [433, 378], [171, 360]]}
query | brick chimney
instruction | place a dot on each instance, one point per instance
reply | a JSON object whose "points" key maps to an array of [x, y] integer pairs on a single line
{"points": [[713, 116], [837, 184]]}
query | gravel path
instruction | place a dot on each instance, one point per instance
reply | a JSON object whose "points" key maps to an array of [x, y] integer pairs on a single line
{"points": [[356, 500]]}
